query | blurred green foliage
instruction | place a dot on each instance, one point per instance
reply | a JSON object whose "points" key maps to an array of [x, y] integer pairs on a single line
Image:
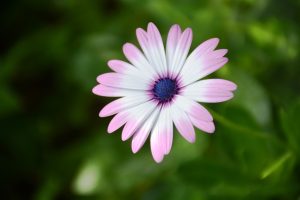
{"points": [[54, 146]]}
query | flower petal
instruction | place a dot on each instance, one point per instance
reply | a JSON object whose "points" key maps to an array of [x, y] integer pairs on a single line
{"points": [[107, 91], [142, 134], [207, 127], [126, 115], [143, 40], [202, 68], [156, 47], [121, 66], [155, 144], [137, 118], [166, 129], [123, 81], [181, 51], [122, 104], [217, 83], [204, 47], [210, 91], [135, 56], [216, 54], [117, 121], [157, 151], [183, 124], [192, 108], [203, 61], [172, 41]]}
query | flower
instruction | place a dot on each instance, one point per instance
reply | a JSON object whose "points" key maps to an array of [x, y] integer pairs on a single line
{"points": [[159, 88]]}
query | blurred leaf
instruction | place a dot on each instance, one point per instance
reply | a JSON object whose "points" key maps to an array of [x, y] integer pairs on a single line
{"points": [[206, 173], [88, 179], [91, 58], [166, 10], [276, 165], [290, 122], [251, 95], [241, 140], [224, 180], [49, 189], [9, 101]]}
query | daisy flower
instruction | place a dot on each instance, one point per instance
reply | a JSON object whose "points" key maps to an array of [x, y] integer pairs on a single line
{"points": [[159, 88]]}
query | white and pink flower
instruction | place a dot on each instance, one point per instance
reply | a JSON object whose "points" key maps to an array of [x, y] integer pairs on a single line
{"points": [[159, 88]]}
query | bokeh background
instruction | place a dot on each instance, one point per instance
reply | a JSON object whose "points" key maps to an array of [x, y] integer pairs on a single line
{"points": [[54, 145]]}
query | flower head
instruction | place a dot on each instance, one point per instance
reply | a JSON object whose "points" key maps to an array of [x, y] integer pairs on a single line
{"points": [[159, 88]]}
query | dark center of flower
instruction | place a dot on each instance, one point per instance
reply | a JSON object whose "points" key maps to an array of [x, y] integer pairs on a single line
{"points": [[164, 89]]}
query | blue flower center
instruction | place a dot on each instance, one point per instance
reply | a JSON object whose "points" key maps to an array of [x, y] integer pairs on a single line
{"points": [[164, 89]]}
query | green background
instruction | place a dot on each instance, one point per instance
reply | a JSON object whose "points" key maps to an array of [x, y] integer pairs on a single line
{"points": [[54, 145]]}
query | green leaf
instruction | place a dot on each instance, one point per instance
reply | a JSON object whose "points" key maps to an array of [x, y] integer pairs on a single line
{"points": [[227, 181], [276, 165], [251, 95], [290, 122], [240, 139]]}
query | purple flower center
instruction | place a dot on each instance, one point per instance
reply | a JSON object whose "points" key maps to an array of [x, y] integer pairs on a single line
{"points": [[164, 89]]}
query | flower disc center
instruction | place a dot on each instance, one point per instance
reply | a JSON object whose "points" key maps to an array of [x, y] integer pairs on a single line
{"points": [[164, 89]]}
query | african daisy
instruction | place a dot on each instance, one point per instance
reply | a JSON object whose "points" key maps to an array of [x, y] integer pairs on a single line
{"points": [[159, 88]]}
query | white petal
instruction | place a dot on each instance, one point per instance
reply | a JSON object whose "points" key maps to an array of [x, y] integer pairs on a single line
{"points": [[202, 49], [203, 61], [136, 118], [122, 104], [183, 124], [124, 81], [164, 130], [117, 121], [216, 54], [207, 127], [192, 108], [172, 41], [156, 47], [126, 115], [142, 134], [121, 67], [143, 40], [135, 56], [202, 68], [107, 91], [210, 91], [216, 84], [157, 150], [181, 51]]}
